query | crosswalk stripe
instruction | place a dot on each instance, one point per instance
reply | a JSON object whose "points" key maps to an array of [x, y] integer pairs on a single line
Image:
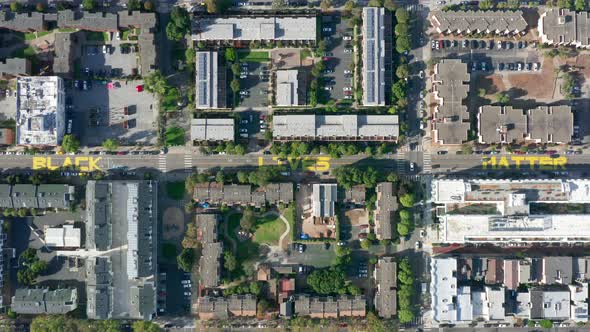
{"points": [[188, 162], [162, 164]]}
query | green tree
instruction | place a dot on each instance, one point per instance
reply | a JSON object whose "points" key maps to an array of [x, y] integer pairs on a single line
{"points": [[156, 83], [186, 259], [110, 144], [405, 316], [217, 6], [279, 4], [407, 200], [402, 15], [190, 55], [502, 98], [402, 71], [235, 69], [191, 237], [70, 144], [326, 281], [220, 177], [365, 244], [89, 4], [354, 290], [402, 29], [390, 5], [242, 177], [240, 150], [145, 326], [39, 267], [235, 85], [230, 54], [403, 229], [486, 4], [255, 288], [15, 7], [546, 323], [349, 5], [22, 212], [402, 44], [466, 149], [148, 6], [179, 24], [134, 5], [326, 4], [581, 5], [230, 262], [247, 221], [375, 3]]}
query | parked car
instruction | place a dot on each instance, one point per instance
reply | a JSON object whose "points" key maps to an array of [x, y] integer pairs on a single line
{"points": [[442, 152], [347, 38], [347, 71], [348, 50]]}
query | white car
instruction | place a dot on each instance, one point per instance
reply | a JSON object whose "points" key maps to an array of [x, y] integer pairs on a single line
{"points": [[105, 49], [328, 88], [243, 130], [348, 97], [117, 35], [348, 50], [327, 29], [412, 167], [421, 74], [418, 245], [244, 93], [347, 88], [347, 38], [347, 71], [422, 233]]}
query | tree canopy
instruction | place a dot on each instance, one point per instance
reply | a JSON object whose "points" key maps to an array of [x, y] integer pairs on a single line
{"points": [[186, 259], [70, 144], [327, 281], [348, 176], [110, 144], [407, 200], [179, 24], [217, 6]]}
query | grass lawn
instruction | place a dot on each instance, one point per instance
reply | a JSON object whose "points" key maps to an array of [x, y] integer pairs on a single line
{"points": [[269, 230], [175, 190], [97, 36], [170, 99], [254, 56], [246, 249], [38, 34], [174, 136]]}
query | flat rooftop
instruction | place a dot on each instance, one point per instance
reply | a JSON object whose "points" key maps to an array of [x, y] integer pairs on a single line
{"points": [[486, 228], [450, 89], [40, 110], [246, 28]]}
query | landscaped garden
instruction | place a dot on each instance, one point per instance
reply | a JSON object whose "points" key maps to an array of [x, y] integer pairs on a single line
{"points": [[254, 56], [269, 230], [175, 190]]}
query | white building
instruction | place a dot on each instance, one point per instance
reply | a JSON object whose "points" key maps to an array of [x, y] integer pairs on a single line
{"points": [[500, 210], [579, 302], [40, 110], [287, 91], [454, 304], [66, 236]]}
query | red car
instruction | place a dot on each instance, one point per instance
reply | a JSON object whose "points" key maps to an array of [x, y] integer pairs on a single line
{"points": [[139, 88]]}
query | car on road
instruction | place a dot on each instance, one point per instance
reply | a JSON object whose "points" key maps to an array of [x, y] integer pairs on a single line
{"points": [[418, 245], [346, 38], [412, 167], [347, 88], [328, 88], [347, 71], [422, 233], [348, 50]]}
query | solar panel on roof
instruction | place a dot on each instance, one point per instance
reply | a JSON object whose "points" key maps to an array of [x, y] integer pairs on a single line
{"points": [[370, 55], [202, 66], [370, 24], [370, 87], [203, 93]]}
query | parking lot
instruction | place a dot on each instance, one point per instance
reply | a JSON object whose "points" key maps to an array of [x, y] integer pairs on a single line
{"points": [[487, 55], [122, 113], [106, 60], [252, 125], [315, 255], [339, 56], [254, 82]]}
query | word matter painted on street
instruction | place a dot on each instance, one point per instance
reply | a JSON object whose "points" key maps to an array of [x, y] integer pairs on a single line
{"points": [[315, 164], [84, 164], [533, 162]]}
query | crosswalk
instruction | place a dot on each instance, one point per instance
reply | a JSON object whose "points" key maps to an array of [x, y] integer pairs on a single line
{"points": [[162, 164], [426, 162], [188, 162], [406, 148]]}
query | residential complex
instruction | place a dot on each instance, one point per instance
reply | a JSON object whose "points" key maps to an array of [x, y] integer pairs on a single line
{"points": [[226, 307], [376, 55], [210, 81], [212, 130], [544, 124], [386, 280], [499, 211], [323, 200], [36, 301], [475, 22], [121, 228], [217, 194], [44, 196], [251, 28], [210, 262], [457, 298], [561, 26], [40, 110], [451, 87], [288, 92], [312, 127], [385, 208]]}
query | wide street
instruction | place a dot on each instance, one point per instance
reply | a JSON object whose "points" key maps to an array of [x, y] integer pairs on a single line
{"points": [[173, 162]]}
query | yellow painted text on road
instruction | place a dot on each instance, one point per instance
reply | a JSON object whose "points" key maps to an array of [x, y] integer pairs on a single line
{"points": [[533, 162], [84, 164], [315, 164]]}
